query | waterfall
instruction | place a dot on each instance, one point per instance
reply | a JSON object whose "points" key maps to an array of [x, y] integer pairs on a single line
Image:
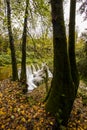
{"points": [[38, 67], [36, 75], [33, 68], [30, 83]]}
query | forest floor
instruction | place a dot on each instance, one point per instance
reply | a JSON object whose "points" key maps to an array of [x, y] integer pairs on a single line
{"points": [[20, 111]]}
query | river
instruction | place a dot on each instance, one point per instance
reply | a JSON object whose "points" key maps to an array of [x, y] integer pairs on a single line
{"points": [[5, 72]]}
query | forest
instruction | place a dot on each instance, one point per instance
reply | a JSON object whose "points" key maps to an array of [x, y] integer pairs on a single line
{"points": [[43, 65]]}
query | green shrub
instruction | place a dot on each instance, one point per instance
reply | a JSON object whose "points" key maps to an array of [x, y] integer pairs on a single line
{"points": [[5, 59], [81, 60]]}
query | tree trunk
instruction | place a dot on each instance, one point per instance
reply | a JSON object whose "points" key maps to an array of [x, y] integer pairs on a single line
{"points": [[24, 37], [62, 92], [11, 40], [74, 71]]}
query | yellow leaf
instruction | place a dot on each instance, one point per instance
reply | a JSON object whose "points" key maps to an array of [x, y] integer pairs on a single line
{"points": [[39, 103], [38, 128], [2, 113], [42, 105], [80, 128], [0, 94], [23, 128], [35, 115], [41, 120], [3, 126], [29, 120], [51, 123], [22, 112], [12, 117], [23, 119], [35, 107]]}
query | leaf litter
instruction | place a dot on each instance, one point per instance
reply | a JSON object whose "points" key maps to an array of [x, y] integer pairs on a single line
{"points": [[20, 111]]}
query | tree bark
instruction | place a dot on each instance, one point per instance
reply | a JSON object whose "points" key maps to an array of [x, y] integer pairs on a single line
{"points": [[74, 71], [24, 37], [11, 40], [62, 93]]}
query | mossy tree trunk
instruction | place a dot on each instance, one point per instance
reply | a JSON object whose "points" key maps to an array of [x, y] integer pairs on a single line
{"points": [[74, 71], [62, 94], [11, 40], [24, 38]]}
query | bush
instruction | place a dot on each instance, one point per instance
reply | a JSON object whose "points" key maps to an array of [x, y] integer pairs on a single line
{"points": [[81, 60], [5, 59]]}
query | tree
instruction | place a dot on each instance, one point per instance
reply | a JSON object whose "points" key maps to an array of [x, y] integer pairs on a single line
{"points": [[11, 40], [62, 92], [23, 63], [74, 71]]}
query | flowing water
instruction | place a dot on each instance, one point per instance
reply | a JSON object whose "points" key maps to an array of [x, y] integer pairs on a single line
{"points": [[35, 74]]}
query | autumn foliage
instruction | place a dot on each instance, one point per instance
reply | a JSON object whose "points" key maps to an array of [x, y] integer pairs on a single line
{"points": [[20, 111]]}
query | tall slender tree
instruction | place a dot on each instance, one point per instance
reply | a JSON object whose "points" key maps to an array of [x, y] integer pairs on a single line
{"points": [[62, 93], [11, 40], [74, 71], [24, 37]]}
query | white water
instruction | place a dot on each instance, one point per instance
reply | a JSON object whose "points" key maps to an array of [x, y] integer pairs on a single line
{"points": [[35, 75]]}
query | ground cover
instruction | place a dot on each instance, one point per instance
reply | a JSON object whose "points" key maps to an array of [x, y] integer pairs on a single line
{"points": [[20, 111]]}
